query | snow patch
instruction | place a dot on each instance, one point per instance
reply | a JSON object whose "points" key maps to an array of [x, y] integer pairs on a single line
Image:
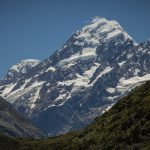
{"points": [[22, 66], [129, 55], [108, 108], [81, 81], [128, 84], [121, 63], [105, 71], [50, 69], [110, 90], [34, 98], [87, 53], [7, 89], [100, 29], [23, 90], [136, 71]]}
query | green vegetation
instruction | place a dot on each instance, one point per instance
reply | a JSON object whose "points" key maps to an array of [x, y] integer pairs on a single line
{"points": [[125, 127]]}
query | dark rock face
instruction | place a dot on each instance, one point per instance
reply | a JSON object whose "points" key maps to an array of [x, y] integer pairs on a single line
{"points": [[13, 124], [99, 64]]}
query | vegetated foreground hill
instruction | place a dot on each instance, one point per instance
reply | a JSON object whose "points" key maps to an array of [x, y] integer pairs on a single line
{"points": [[12, 124], [125, 126]]}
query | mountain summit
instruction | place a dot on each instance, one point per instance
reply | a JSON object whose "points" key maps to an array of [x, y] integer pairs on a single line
{"points": [[21, 68], [97, 65], [101, 29], [24, 65]]}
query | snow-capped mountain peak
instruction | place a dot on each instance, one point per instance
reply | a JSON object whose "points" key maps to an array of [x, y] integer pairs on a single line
{"points": [[24, 64], [87, 40], [19, 69], [100, 30], [97, 65]]}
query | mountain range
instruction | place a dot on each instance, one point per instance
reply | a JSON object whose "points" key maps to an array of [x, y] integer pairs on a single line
{"points": [[99, 64], [125, 126]]}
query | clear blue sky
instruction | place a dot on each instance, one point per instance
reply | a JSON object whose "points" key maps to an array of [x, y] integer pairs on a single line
{"points": [[37, 28]]}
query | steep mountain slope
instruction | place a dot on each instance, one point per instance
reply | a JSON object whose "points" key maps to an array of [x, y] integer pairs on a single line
{"points": [[21, 68], [12, 124], [14, 73], [125, 126], [99, 64]]}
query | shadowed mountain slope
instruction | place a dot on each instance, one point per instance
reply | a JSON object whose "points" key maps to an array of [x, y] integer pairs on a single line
{"points": [[12, 124]]}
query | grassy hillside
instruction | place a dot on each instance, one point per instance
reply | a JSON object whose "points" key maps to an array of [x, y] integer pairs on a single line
{"points": [[125, 126]]}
